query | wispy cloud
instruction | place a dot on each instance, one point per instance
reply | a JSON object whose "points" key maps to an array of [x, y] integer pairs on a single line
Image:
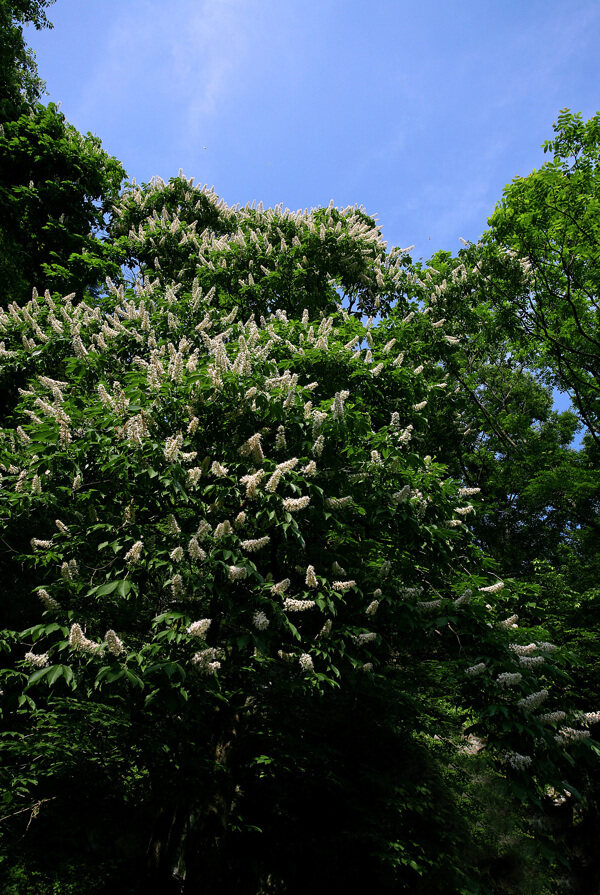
{"points": [[172, 62]]}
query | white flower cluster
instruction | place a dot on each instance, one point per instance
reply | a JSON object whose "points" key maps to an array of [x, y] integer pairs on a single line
{"points": [[206, 660], [342, 586], [252, 481], [260, 620], [552, 717], [530, 661], [177, 554], [468, 492], [338, 503], [570, 735], [237, 573], [507, 623], [222, 530], [39, 660], [254, 544], [78, 640], [173, 447], [533, 701], [491, 588], [294, 504], [372, 607], [134, 553], [306, 662], [464, 598], [311, 578], [48, 601], [199, 628], [475, 670], [521, 650], [517, 761], [195, 550], [509, 678], [114, 643], [291, 605], [367, 637], [280, 588], [429, 605]]}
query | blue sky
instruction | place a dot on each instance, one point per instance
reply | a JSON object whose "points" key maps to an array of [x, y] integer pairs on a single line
{"points": [[421, 112]]}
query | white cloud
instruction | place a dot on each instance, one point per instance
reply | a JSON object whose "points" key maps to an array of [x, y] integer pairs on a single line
{"points": [[174, 61]]}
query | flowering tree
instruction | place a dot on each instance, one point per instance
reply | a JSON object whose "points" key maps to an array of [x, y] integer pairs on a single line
{"points": [[224, 536]]}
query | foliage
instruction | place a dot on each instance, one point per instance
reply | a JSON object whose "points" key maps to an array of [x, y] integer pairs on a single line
{"points": [[549, 220], [56, 189], [20, 83]]}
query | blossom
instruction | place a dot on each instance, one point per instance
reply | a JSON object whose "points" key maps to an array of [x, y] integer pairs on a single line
{"points": [[39, 543], [522, 650], [310, 469], [475, 670], [260, 620], [48, 601], [531, 660], [251, 482], [468, 492], [570, 735], [113, 643], [239, 520], [509, 678], [531, 702], [420, 405], [206, 660], [133, 554], [280, 442], [342, 586], [173, 447], [218, 470], [317, 448], [429, 605], [400, 496], [326, 629], [177, 585], [177, 554], [195, 550], [39, 660], [311, 578], [222, 529], [492, 588], [78, 640], [237, 573], [552, 717], [173, 525], [199, 628], [464, 511], [372, 607], [306, 662], [293, 504], [517, 761], [464, 598], [510, 622], [281, 587], [291, 605], [253, 446], [194, 475], [254, 544], [367, 637], [338, 503]]}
